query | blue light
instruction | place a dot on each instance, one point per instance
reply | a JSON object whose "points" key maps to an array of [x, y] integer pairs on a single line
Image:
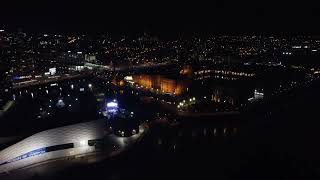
{"points": [[16, 78], [29, 154], [112, 107]]}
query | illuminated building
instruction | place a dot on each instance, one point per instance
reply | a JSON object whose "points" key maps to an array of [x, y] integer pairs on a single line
{"points": [[186, 70], [51, 144], [90, 58], [257, 95], [163, 84], [221, 73], [112, 107], [117, 81]]}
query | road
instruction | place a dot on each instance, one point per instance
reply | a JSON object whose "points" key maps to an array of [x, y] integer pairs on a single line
{"points": [[44, 80]]}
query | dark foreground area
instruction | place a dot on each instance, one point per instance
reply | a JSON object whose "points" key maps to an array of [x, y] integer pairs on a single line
{"points": [[283, 144]]}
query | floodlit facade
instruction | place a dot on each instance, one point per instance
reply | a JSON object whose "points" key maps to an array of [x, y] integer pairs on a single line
{"points": [[51, 144], [161, 83]]}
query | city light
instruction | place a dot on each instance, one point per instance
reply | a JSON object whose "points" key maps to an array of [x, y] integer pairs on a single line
{"points": [[60, 103], [178, 83], [112, 105]]}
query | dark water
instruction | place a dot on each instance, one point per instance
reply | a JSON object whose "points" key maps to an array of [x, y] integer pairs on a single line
{"points": [[283, 145], [40, 112], [277, 139]]}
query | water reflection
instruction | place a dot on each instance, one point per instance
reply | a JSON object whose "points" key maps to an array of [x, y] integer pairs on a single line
{"points": [[66, 102], [189, 137]]}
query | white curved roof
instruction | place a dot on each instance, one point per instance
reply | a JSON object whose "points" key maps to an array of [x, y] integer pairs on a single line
{"points": [[63, 135]]}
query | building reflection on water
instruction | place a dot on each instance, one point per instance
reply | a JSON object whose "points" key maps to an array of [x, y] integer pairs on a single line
{"points": [[186, 135]]}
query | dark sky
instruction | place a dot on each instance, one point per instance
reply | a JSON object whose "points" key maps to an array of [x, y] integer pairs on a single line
{"points": [[224, 16]]}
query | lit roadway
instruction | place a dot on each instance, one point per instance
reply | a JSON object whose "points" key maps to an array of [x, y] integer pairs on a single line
{"points": [[133, 67], [43, 80], [48, 79], [52, 167]]}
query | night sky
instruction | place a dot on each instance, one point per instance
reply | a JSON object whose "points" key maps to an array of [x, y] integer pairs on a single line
{"points": [[221, 16]]}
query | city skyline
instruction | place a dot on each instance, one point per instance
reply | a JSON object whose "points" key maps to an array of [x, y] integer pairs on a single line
{"points": [[159, 90]]}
